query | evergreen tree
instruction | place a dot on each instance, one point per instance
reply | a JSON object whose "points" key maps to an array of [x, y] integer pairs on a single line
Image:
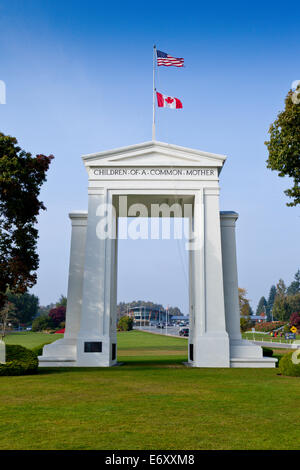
{"points": [[294, 288], [294, 303], [281, 307], [262, 306], [62, 301], [270, 302], [26, 307]]}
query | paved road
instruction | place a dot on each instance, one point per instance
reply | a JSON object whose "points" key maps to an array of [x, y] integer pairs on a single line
{"points": [[169, 331], [174, 331], [273, 344]]}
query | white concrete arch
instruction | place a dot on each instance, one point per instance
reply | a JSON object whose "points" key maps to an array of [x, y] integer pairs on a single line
{"points": [[161, 174]]}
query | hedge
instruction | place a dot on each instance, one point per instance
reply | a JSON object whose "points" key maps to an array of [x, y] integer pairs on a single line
{"points": [[38, 350], [287, 366], [19, 361]]}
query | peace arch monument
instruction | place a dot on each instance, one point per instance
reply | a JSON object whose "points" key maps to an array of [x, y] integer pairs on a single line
{"points": [[119, 181]]}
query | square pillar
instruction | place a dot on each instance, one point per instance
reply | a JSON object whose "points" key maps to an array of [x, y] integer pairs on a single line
{"points": [[243, 353], [209, 336], [63, 351], [96, 344]]}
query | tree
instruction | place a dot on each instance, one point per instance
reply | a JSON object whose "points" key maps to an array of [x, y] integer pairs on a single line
{"points": [[7, 314], [270, 302], [245, 310], [245, 324], [281, 308], [284, 145], [294, 288], [26, 306], [45, 309], [58, 315], [42, 323], [294, 302], [175, 311], [123, 308], [62, 301], [21, 178], [262, 306], [125, 323]]}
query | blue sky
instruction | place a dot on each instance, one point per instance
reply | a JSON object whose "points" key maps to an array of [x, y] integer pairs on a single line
{"points": [[79, 80]]}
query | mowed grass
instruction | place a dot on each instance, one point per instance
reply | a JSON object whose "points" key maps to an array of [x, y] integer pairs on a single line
{"points": [[151, 402], [138, 347], [29, 339]]}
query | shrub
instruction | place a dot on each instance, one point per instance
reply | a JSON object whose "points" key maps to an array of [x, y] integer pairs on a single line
{"points": [[287, 366], [125, 323], [19, 361], [295, 320], [38, 350], [58, 315], [42, 323], [269, 326], [245, 323]]}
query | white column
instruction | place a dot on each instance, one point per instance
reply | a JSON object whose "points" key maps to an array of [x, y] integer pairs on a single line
{"points": [[94, 346], [242, 353], [191, 297], [63, 351], [230, 277], [211, 342], [76, 269]]}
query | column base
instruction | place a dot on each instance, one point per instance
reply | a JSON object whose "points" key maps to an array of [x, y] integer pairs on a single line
{"points": [[211, 351], [98, 351], [244, 353], [61, 352]]}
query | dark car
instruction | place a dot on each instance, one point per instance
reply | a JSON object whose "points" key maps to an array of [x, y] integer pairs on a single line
{"points": [[184, 331], [159, 325]]}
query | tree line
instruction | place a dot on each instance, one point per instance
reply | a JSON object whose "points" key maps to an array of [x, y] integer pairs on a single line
{"points": [[23, 310], [282, 300]]}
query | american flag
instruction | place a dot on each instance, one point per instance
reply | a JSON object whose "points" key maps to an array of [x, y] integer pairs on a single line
{"points": [[168, 60]]}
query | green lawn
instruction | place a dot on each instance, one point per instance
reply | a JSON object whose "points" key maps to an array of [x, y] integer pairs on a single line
{"points": [[151, 402], [30, 339]]}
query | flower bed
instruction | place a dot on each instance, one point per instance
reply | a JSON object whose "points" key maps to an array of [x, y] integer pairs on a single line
{"points": [[269, 326]]}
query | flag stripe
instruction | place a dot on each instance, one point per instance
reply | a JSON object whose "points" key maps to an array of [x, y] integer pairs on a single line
{"points": [[167, 60], [160, 99], [178, 103]]}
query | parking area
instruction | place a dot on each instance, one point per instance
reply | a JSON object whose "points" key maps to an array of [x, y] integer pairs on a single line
{"points": [[167, 330]]}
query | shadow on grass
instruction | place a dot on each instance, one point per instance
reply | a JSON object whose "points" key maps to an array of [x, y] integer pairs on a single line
{"points": [[134, 362], [163, 361]]}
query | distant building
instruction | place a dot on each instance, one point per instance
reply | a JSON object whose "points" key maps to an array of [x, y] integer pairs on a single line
{"points": [[180, 318], [259, 318], [143, 316]]}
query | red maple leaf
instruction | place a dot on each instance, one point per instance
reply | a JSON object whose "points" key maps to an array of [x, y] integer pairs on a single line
{"points": [[169, 100]]}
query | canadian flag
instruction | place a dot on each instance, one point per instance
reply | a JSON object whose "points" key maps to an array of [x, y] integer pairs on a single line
{"points": [[165, 101]]}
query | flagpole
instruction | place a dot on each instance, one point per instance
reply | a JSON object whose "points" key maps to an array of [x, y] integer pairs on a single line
{"points": [[153, 121]]}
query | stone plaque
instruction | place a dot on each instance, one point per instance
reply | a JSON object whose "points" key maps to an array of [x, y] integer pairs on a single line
{"points": [[93, 347]]}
